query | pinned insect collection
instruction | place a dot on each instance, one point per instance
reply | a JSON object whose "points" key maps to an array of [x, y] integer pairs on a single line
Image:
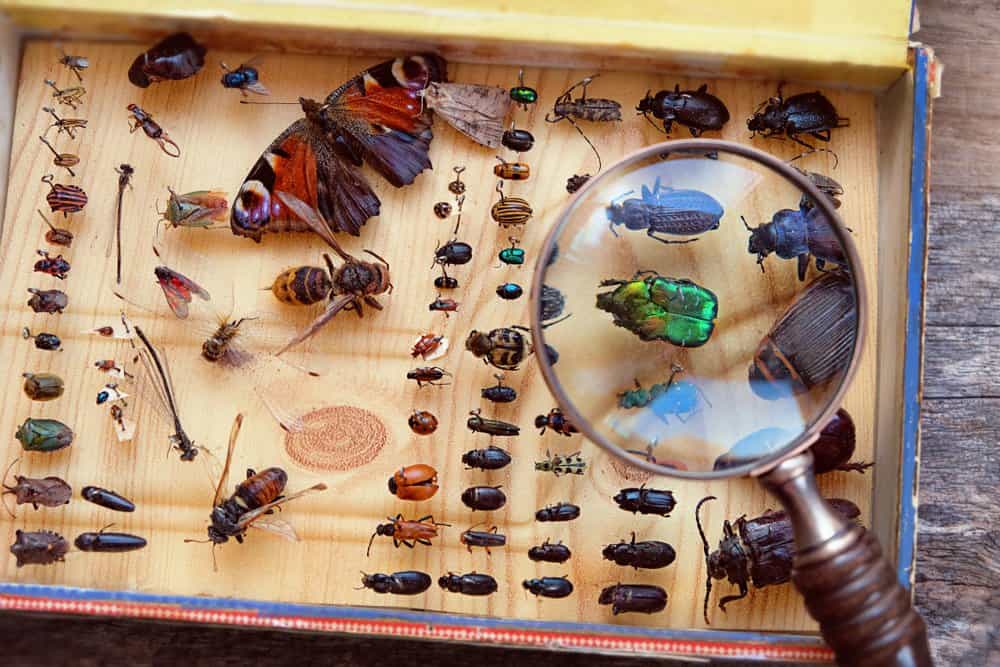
{"points": [[311, 180]]}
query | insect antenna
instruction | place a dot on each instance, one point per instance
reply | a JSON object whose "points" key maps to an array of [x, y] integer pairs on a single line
{"points": [[836, 158], [364, 575], [7, 490], [704, 542], [370, 542], [561, 319]]}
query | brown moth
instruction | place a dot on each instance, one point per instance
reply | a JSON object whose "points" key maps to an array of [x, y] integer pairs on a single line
{"points": [[474, 110]]}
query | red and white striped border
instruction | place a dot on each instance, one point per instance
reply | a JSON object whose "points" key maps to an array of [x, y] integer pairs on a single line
{"points": [[396, 628]]}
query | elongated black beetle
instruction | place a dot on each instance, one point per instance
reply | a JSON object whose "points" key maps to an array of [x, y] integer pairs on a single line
{"points": [[108, 499], [495, 427], [646, 501], [640, 598], [406, 582], [499, 393], [805, 113], [547, 552], [558, 512], [472, 583], [698, 110], [485, 498], [549, 587], [109, 542], [483, 538], [491, 458], [648, 554]]}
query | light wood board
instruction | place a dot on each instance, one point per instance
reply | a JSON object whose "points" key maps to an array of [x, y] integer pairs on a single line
{"points": [[367, 358]]}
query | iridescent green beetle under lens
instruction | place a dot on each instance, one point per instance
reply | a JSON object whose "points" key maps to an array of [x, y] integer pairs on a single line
{"points": [[44, 435], [657, 308], [512, 255]]}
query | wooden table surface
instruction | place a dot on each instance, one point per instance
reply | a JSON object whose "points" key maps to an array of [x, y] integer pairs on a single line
{"points": [[958, 570]]}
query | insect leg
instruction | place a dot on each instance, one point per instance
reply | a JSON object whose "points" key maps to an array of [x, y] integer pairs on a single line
{"points": [[422, 541], [651, 234]]}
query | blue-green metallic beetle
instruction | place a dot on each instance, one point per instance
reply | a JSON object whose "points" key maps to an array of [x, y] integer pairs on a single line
{"points": [[44, 435]]}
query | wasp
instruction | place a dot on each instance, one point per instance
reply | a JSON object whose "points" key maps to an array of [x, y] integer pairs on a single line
{"points": [[560, 464], [54, 266], [75, 64], [71, 97], [144, 120], [252, 503], [402, 531], [67, 125]]}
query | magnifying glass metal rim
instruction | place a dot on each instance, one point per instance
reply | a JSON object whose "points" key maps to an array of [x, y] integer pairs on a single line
{"points": [[695, 146]]}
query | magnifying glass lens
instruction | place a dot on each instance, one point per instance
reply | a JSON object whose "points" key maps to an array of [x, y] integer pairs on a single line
{"points": [[714, 298]]}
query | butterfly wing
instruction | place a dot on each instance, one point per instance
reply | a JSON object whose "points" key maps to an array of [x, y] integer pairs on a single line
{"points": [[301, 162], [383, 112]]}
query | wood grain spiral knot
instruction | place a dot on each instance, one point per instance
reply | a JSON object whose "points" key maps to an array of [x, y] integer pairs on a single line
{"points": [[337, 438]]}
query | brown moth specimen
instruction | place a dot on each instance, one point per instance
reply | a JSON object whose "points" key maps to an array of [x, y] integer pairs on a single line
{"points": [[476, 111], [45, 491], [354, 283]]}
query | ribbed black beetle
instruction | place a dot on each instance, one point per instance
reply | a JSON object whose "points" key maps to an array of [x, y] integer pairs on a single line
{"points": [[549, 587], [648, 554], [805, 113], [547, 552], [453, 252], [485, 498], [639, 598], [698, 110], [665, 210], [499, 393], [646, 501], [478, 424], [471, 583], [491, 458], [800, 234], [407, 582], [558, 512]]}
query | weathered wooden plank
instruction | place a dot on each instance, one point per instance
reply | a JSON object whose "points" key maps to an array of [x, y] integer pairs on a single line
{"points": [[961, 362]]}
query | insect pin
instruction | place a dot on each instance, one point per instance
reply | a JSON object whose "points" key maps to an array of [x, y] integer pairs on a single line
{"points": [[144, 120], [65, 160], [509, 211], [245, 78], [65, 198], [253, 502], [75, 64], [67, 125], [403, 531], [57, 235], [54, 266], [562, 464], [593, 109], [71, 97]]}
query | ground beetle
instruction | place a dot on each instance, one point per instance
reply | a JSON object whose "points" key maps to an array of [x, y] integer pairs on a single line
{"points": [[800, 234], [509, 291], [406, 582], [665, 210], [639, 598], [805, 113], [547, 552], [648, 554], [698, 110], [646, 501], [471, 583], [453, 252], [558, 512], [549, 587], [491, 458]]}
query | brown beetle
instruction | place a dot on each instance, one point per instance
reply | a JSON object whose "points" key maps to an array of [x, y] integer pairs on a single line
{"points": [[423, 422], [45, 491], [510, 210], [429, 346], [57, 235], [402, 531], [47, 300], [511, 171], [428, 375], [414, 482]]}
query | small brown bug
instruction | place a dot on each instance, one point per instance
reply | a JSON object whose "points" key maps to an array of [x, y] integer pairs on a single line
{"points": [[65, 198], [442, 209], [511, 171], [57, 235], [67, 125], [404, 531], [47, 300], [510, 210], [414, 482], [422, 422], [47, 491], [457, 187], [429, 346], [65, 160], [40, 547], [428, 375], [556, 421]]}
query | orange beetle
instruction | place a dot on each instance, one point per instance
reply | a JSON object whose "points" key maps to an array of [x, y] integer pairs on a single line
{"points": [[415, 482]]}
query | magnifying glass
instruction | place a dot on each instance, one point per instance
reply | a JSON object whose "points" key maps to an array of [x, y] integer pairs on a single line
{"points": [[693, 351]]}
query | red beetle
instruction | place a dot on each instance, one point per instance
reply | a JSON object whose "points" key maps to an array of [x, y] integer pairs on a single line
{"points": [[414, 482], [423, 422]]}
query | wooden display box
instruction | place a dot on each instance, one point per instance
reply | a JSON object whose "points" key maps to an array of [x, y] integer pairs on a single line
{"points": [[863, 64]]}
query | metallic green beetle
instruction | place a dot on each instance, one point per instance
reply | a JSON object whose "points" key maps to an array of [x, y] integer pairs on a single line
{"points": [[44, 435], [512, 255], [657, 308]]}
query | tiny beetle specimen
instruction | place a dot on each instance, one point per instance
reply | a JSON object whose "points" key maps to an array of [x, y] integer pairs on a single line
{"points": [[800, 235], [108, 542], [442, 209], [444, 305], [558, 512], [44, 492], [483, 538], [648, 554], [429, 346], [108, 499], [805, 113], [513, 255], [43, 341], [54, 266], [549, 587], [71, 97], [403, 531], [511, 171], [562, 464], [499, 393], [174, 57], [576, 181], [510, 210], [522, 94], [444, 281], [453, 252], [41, 547], [457, 187], [502, 348], [42, 386], [44, 435], [509, 291], [491, 458], [478, 424], [65, 160], [65, 198], [468, 584], [245, 78], [414, 482], [47, 300], [57, 235], [639, 598], [428, 375], [422, 422], [406, 582], [556, 421], [67, 125], [485, 498], [517, 140], [546, 552], [75, 64], [646, 501], [142, 119]]}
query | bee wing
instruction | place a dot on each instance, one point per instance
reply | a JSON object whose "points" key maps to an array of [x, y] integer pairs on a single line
{"points": [[332, 309], [254, 515], [257, 87], [234, 433], [276, 526]]}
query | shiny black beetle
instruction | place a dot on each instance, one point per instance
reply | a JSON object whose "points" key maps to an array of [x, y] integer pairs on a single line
{"points": [[698, 110], [407, 582], [549, 587], [499, 393], [547, 552], [558, 512], [108, 499], [801, 235], [453, 252], [483, 538], [648, 554], [471, 583], [639, 598], [646, 501], [491, 458], [805, 113], [484, 498], [478, 424]]}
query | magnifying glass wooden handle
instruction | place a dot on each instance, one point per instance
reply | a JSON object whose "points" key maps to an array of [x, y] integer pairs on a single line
{"points": [[865, 615]]}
